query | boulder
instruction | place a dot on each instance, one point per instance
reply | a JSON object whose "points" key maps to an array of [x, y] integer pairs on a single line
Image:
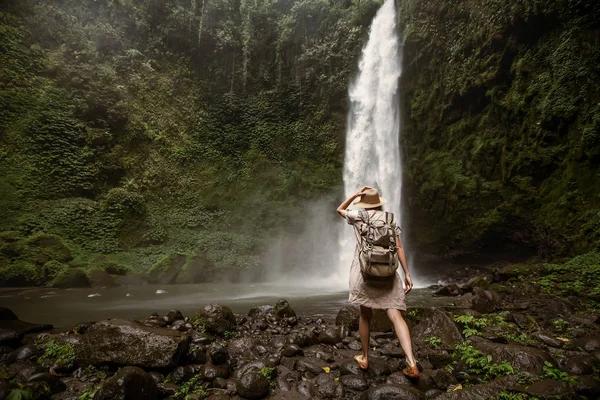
{"points": [[434, 322], [210, 372], [165, 271], [449, 290], [101, 278], [483, 391], [216, 319], [357, 383], [388, 391], [12, 331], [546, 389], [253, 385], [261, 311], [131, 343], [348, 316], [129, 383], [588, 343], [71, 278], [6, 314], [54, 384], [219, 354], [483, 301], [522, 358], [330, 336], [282, 309]]}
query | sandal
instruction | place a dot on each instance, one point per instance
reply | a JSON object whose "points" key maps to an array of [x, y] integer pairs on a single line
{"points": [[361, 363], [411, 372]]}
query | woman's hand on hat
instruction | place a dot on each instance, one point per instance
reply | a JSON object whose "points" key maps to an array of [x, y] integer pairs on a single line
{"points": [[365, 188]]}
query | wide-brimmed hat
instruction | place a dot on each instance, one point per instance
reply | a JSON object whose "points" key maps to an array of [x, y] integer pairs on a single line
{"points": [[370, 199]]}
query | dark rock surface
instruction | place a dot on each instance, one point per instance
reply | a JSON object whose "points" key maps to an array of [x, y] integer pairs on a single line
{"points": [[128, 383], [129, 343], [216, 319]]}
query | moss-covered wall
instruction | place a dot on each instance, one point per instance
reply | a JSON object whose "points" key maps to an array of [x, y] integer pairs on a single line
{"points": [[501, 134]]}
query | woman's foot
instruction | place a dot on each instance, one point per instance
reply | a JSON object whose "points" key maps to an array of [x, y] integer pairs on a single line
{"points": [[411, 371], [362, 362]]}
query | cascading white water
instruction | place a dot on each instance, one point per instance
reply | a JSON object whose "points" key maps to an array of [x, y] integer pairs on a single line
{"points": [[372, 155]]}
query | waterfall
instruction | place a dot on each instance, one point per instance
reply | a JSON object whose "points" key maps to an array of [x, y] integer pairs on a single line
{"points": [[372, 154]]}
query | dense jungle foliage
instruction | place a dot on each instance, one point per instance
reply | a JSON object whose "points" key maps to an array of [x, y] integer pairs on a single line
{"points": [[502, 125], [174, 137], [139, 132]]}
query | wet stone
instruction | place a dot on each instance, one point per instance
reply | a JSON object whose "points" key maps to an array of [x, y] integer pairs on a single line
{"points": [[312, 365], [128, 383], [398, 378], [210, 372], [173, 316], [291, 350], [167, 389], [182, 374], [330, 336], [387, 391], [331, 390], [219, 354], [253, 385], [53, 382], [579, 365], [307, 389], [282, 384], [354, 382], [350, 368], [25, 352]]}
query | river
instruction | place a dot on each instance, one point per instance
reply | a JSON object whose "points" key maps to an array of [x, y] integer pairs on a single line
{"points": [[66, 307]]}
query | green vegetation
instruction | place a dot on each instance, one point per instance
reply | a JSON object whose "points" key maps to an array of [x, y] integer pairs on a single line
{"points": [[502, 126], [267, 372], [433, 341], [579, 276], [550, 372], [123, 139], [479, 363], [194, 385], [472, 325], [507, 395], [57, 353]]}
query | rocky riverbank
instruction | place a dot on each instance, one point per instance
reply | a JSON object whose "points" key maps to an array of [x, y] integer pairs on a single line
{"points": [[504, 339]]}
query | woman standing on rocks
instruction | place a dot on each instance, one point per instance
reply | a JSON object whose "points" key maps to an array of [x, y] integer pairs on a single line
{"points": [[370, 292]]}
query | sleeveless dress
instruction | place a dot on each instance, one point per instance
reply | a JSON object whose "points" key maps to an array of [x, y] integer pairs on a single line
{"points": [[361, 293]]}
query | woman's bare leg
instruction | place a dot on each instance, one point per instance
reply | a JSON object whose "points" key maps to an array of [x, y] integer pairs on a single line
{"points": [[364, 330], [403, 335]]}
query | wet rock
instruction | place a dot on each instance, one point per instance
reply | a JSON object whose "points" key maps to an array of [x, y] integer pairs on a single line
{"points": [[261, 311], [216, 319], [282, 384], [587, 343], [354, 382], [313, 365], [525, 322], [378, 368], [442, 379], [219, 354], [253, 385], [303, 338], [482, 391], [182, 374], [155, 322], [331, 390], [252, 366], [6, 314], [348, 316], [12, 331], [210, 372], [483, 301], [433, 393], [291, 350], [197, 354], [587, 386], [435, 322], [425, 381], [307, 389], [157, 376], [388, 391], [546, 389], [522, 358], [355, 345], [24, 370], [398, 378], [128, 383], [448, 290], [350, 367], [579, 365], [547, 340], [130, 343], [330, 336], [25, 352], [283, 309], [54, 384], [167, 389], [174, 315]]}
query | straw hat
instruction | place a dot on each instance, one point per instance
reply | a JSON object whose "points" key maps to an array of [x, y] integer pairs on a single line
{"points": [[370, 199]]}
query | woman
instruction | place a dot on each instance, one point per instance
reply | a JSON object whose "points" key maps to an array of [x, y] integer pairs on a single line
{"points": [[369, 295]]}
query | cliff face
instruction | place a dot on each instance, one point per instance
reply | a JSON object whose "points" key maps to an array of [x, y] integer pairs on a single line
{"points": [[501, 121]]}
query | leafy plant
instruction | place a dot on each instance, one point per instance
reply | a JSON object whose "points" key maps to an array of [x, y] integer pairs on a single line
{"points": [[20, 393], [480, 363], [560, 324], [89, 393], [193, 385], [62, 354], [550, 372], [433, 341], [472, 325], [267, 372]]}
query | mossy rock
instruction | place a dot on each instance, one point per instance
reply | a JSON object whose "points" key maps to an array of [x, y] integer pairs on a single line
{"points": [[71, 278], [21, 273], [43, 247], [216, 319], [167, 269], [196, 269], [53, 268], [282, 309], [115, 269]]}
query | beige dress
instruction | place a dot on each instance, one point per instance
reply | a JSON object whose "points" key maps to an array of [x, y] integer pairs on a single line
{"points": [[361, 293]]}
